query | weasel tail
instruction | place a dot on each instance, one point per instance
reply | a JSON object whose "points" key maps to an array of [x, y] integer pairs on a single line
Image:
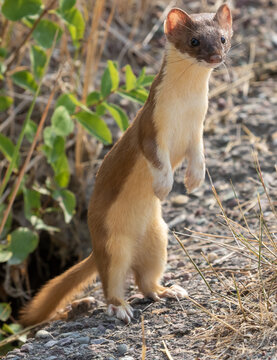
{"points": [[57, 292]]}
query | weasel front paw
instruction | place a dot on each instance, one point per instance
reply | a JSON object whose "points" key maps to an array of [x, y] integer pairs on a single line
{"points": [[194, 177], [162, 183]]}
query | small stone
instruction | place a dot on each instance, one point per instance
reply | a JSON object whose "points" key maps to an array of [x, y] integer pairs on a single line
{"points": [[191, 312], [51, 343], [66, 341], [98, 341], [52, 357], [122, 349], [179, 200], [26, 348], [127, 358], [101, 329], [212, 257], [43, 334], [110, 358], [83, 340]]}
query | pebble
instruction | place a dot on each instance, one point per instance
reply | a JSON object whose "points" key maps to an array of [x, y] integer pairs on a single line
{"points": [[66, 341], [26, 348], [51, 343], [52, 357], [83, 340], [43, 334], [127, 358], [122, 349], [212, 256], [98, 341], [179, 200]]}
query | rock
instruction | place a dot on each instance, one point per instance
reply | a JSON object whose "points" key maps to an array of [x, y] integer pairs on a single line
{"points": [[179, 200], [83, 340], [51, 343], [26, 348], [43, 334], [98, 341], [52, 357], [66, 341], [212, 256], [122, 349]]}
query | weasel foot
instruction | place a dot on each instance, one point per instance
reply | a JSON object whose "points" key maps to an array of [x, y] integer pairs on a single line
{"points": [[194, 177], [122, 312], [162, 183], [174, 291]]}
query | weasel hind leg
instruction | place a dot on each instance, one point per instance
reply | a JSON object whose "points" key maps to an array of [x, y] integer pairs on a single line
{"points": [[113, 276], [151, 262]]}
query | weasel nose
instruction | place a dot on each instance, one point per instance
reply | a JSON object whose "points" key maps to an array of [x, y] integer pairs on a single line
{"points": [[215, 59]]}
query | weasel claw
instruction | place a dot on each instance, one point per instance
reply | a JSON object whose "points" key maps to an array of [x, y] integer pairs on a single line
{"points": [[124, 313]]}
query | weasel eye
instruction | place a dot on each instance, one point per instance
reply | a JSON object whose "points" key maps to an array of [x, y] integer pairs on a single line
{"points": [[194, 42], [223, 40]]}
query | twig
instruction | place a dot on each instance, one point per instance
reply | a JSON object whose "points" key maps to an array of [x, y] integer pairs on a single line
{"points": [[27, 160], [167, 351], [143, 352], [214, 316]]}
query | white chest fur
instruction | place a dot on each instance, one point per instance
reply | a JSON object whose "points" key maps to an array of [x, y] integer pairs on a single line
{"points": [[181, 106]]}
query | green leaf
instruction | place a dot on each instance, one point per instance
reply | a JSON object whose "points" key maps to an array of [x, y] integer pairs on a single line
{"points": [[45, 33], [119, 115], [130, 78], [49, 136], [68, 101], [30, 130], [6, 147], [58, 149], [25, 79], [16, 9], [137, 95], [61, 121], [5, 311], [23, 242], [75, 24], [62, 171], [5, 102], [93, 98], [5, 256], [144, 80], [39, 224], [31, 202], [66, 4], [100, 110], [67, 202], [110, 79], [38, 61], [3, 52], [95, 126]]}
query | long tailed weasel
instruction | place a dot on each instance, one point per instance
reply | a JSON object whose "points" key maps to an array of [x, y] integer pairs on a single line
{"points": [[124, 215]]}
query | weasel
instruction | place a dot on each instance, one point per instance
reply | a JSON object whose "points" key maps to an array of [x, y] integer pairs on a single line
{"points": [[124, 215]]}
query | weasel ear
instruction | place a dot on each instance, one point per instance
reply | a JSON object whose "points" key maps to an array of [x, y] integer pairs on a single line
{"points": [[176, 18], [223, 16]]}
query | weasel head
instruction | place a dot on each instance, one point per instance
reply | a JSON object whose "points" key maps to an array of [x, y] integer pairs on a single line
{"points": [[205, 38]]}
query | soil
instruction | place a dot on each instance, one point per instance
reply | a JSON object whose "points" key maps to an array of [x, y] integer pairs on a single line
{"points": [[241, 120]]}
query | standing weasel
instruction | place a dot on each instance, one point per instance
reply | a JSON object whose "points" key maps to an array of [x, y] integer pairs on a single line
{"points": [[124, 215]]}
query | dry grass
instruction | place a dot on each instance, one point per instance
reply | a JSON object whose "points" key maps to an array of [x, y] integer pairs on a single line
{"points": [[244, 300]]}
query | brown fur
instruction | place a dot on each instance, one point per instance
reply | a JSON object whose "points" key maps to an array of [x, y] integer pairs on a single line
{"points": [[124, 215]]}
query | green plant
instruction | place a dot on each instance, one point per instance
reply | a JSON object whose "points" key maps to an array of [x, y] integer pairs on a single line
{"points": [[45, 27]]}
